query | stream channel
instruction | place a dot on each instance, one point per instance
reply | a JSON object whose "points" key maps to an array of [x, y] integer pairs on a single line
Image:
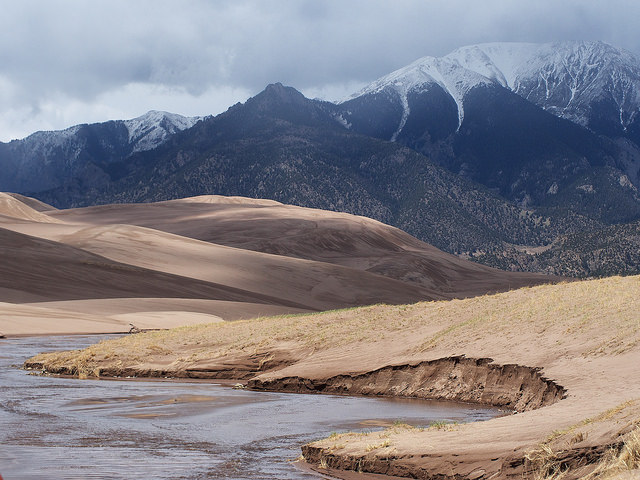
{"points": [[62, 428]]}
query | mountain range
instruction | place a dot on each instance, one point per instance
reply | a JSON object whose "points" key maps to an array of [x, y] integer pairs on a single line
{"points": [[523, 119], [504, 153], [46, 160]]}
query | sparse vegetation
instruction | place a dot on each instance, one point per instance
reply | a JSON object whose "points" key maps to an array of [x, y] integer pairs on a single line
{"points": [[551, 460], [384, 444], [575, 308], [551, 464], [443, 425]]}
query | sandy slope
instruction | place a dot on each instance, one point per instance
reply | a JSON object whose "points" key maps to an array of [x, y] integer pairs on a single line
{"points": [[33, 203], [55, 271], [355, 242], [241, 257], [115, 315], [307, 284], [117, 306], [32, 319], [16, 206]]}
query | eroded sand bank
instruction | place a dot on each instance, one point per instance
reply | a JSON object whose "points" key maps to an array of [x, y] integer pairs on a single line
{"points": [[578, 342]]}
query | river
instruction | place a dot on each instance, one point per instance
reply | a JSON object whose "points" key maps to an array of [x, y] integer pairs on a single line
{"points": [[61, 428]]}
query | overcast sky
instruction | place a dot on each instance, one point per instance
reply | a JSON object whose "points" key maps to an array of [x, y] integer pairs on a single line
{"points": [[69, 62]]}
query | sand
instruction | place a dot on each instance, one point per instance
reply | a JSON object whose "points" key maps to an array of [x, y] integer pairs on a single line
{"points": [[223, 257], [566, 357], [578, 342]]}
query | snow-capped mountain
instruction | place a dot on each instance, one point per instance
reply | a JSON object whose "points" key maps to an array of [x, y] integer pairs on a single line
{"points": [[422, 75], [154, 128], [590, 83], [46, 160], [573, 80], [517, 117]]}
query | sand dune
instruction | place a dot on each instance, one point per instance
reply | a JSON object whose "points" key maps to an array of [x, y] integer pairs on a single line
{"points": [[291, 281], [32, 202], [17, 206], [29, 319], [226, 257], [114, 315], [44, 320], [331, 237], [56, 271], [120, 306], [223, 200]]}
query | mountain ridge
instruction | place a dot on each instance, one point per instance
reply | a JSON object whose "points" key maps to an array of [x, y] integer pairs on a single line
{"points": [[467, 112], [49, 159], [474, 175], [573, 75]]}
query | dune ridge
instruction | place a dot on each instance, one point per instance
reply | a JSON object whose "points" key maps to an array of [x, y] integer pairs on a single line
{"points": [[227, 257], [14, 206]]}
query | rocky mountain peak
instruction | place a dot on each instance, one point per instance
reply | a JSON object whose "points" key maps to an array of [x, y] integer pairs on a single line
{"points": [[593, 84]]}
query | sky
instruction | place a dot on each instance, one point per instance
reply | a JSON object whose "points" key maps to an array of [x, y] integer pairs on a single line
{"points": [[65, 62]]}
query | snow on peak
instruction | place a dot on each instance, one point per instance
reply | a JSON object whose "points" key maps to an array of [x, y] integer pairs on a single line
{"points": [[444, 72], [154, 127], [497, 61], [564, 78]]}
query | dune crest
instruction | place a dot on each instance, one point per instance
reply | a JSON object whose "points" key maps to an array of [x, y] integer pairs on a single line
{"points": [[19, 207], [223, 200], [223, 257]]}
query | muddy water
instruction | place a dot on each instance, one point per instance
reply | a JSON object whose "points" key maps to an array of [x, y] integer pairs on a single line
{"points": [[55, 428]]}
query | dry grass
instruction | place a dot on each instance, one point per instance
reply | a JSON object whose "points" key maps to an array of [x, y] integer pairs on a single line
{"points": [[546, 463], [575, 308], [377, 446], [549, 464], [622, 459], [548, 460], [569, 310]]}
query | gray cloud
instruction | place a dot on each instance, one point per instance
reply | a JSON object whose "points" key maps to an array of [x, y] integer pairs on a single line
{"points": [[65, 62]]}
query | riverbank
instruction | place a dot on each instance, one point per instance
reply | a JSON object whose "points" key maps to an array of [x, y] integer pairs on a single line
{"points": [[166, 429], [566, 356]]}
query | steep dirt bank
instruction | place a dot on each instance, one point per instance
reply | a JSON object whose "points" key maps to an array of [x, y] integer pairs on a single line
{"points": [[603, 447], [514, 387], [580, 341], [236, 368], [480, 381]]}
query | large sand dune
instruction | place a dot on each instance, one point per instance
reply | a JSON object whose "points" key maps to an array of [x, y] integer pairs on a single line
{"points": [[227, 257], [16, 207], [292, 281], [266, 226]]}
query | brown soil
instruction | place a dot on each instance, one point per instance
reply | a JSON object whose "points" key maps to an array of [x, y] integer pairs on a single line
{"points": [[513, 387]]}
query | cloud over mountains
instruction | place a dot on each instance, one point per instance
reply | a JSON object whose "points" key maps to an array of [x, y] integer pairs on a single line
{"points": [[65, 63]]}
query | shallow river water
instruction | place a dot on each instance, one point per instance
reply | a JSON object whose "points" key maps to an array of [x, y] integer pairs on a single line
{"points": [[60, 428]]}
